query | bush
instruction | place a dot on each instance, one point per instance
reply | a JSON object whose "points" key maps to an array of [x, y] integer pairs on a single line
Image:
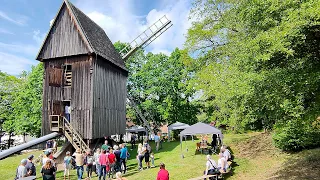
{"points": [[295, 135]]}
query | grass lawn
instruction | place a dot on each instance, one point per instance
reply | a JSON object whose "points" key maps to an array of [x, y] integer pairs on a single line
{"points": [[255, 156]]}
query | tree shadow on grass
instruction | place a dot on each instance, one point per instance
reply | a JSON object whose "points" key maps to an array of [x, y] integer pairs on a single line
{"points": [[303, 165], [132, 164]]}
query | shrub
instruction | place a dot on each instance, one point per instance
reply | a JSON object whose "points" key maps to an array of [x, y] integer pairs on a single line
{"points": [[295, 135]]}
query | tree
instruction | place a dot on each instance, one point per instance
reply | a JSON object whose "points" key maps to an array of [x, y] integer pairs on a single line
{"points": [[25, 105], [9, 85], [159, 85], [28, 103], [259, 60]]}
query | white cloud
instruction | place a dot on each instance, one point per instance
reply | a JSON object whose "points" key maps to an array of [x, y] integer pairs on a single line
{"points": [[25, 49], [51, 22], [13, 64], [122, 23], [38, 36], [4, 31], [21, 21]]}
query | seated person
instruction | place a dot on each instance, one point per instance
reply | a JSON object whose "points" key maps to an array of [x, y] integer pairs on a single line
{"points": [[211, 167], [222, 163], [226, 153]]}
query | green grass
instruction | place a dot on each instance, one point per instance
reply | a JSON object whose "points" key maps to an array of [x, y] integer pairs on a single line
{"points": [[268, 163]]}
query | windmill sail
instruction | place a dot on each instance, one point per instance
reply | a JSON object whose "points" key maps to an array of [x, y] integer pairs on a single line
{"points": [[146, 37]]}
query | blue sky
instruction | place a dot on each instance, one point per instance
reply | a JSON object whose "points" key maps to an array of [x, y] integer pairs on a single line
{"points": [[24, 24]]}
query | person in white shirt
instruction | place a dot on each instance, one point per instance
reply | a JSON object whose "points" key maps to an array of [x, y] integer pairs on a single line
{"points": [[22, 170], [226, 153], [157, 141], [140, 155], [222, 163], [211, 167]]}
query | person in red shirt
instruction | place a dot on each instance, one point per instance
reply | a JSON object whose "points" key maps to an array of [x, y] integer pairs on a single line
{"points": [[163, 174], [112, 163]]}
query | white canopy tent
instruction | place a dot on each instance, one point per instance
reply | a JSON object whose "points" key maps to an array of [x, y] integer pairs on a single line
{"points": [[199, 128], [175, 126], [136, 129]]}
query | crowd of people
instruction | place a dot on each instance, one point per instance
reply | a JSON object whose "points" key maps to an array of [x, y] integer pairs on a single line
{"points": [[106, 162], [27, 167]]}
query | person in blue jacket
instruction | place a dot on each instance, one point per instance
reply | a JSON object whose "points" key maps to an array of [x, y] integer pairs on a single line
{"points": [[123, 157]]}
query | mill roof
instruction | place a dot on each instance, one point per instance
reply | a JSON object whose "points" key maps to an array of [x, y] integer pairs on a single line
{"points": [[92, 34]]}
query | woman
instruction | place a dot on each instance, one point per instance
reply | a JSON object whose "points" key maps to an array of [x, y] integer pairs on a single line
{"points": [[67, 161], [96, 159], [211, 167], [222, 163], [147, 151], [103, 162], [140, 155], [48, 171], [112, 163], [89, 162]]}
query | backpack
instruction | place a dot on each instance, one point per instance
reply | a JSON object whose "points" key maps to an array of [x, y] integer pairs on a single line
{"points": [[68, 160], [90, 159]]}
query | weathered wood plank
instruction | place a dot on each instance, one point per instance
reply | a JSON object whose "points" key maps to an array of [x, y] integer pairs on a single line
{"points": [[64, 39]]}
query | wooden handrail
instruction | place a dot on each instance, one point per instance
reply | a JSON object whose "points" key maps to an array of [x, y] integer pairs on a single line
{"points": [[78, 136]]}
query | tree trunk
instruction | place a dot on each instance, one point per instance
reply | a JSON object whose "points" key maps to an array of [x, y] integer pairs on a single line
{"points": [[9, 140], [24, 137]]}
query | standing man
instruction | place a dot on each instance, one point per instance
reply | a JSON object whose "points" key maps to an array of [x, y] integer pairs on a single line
{"points": [[117, 153], [67, 111], [30, 166], [79, 163], [105, 146], [157, 141], [22, 171], [163, 174], [123, 157], [133, 141]]}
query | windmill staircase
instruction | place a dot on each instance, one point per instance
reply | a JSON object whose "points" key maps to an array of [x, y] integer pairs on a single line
{"points": [[60, 124], [146, 37]]}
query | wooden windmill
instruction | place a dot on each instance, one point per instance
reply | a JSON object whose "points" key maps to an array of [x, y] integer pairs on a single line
{"points": [[84, 95]]}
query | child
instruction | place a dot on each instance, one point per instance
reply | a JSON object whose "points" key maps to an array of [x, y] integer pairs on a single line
{"points": [[67, 165], [89, 162], [152, 160]]}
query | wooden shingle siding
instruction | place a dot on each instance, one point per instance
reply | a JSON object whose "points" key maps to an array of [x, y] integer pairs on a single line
{"points": [[63, 39], [109, 99], [79, 94]]}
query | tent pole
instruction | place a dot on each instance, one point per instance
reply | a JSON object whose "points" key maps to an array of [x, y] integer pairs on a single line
{"points": [[185, 140], [181, 146]]}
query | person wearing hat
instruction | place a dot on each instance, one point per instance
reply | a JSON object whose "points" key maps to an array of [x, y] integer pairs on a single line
{"points": [[67, 161], [30, 166], [46, 157], [79, 163], [21, 170]]}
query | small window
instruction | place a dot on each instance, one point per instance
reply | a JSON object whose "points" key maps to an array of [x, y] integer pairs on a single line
{"points": [[67, 75]]}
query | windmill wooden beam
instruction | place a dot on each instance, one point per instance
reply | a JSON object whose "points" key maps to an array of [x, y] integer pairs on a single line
{"points": [[143, 40], [146, 37]]}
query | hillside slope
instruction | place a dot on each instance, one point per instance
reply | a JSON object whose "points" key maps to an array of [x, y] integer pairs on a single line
{"points": [[257, 158]]}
